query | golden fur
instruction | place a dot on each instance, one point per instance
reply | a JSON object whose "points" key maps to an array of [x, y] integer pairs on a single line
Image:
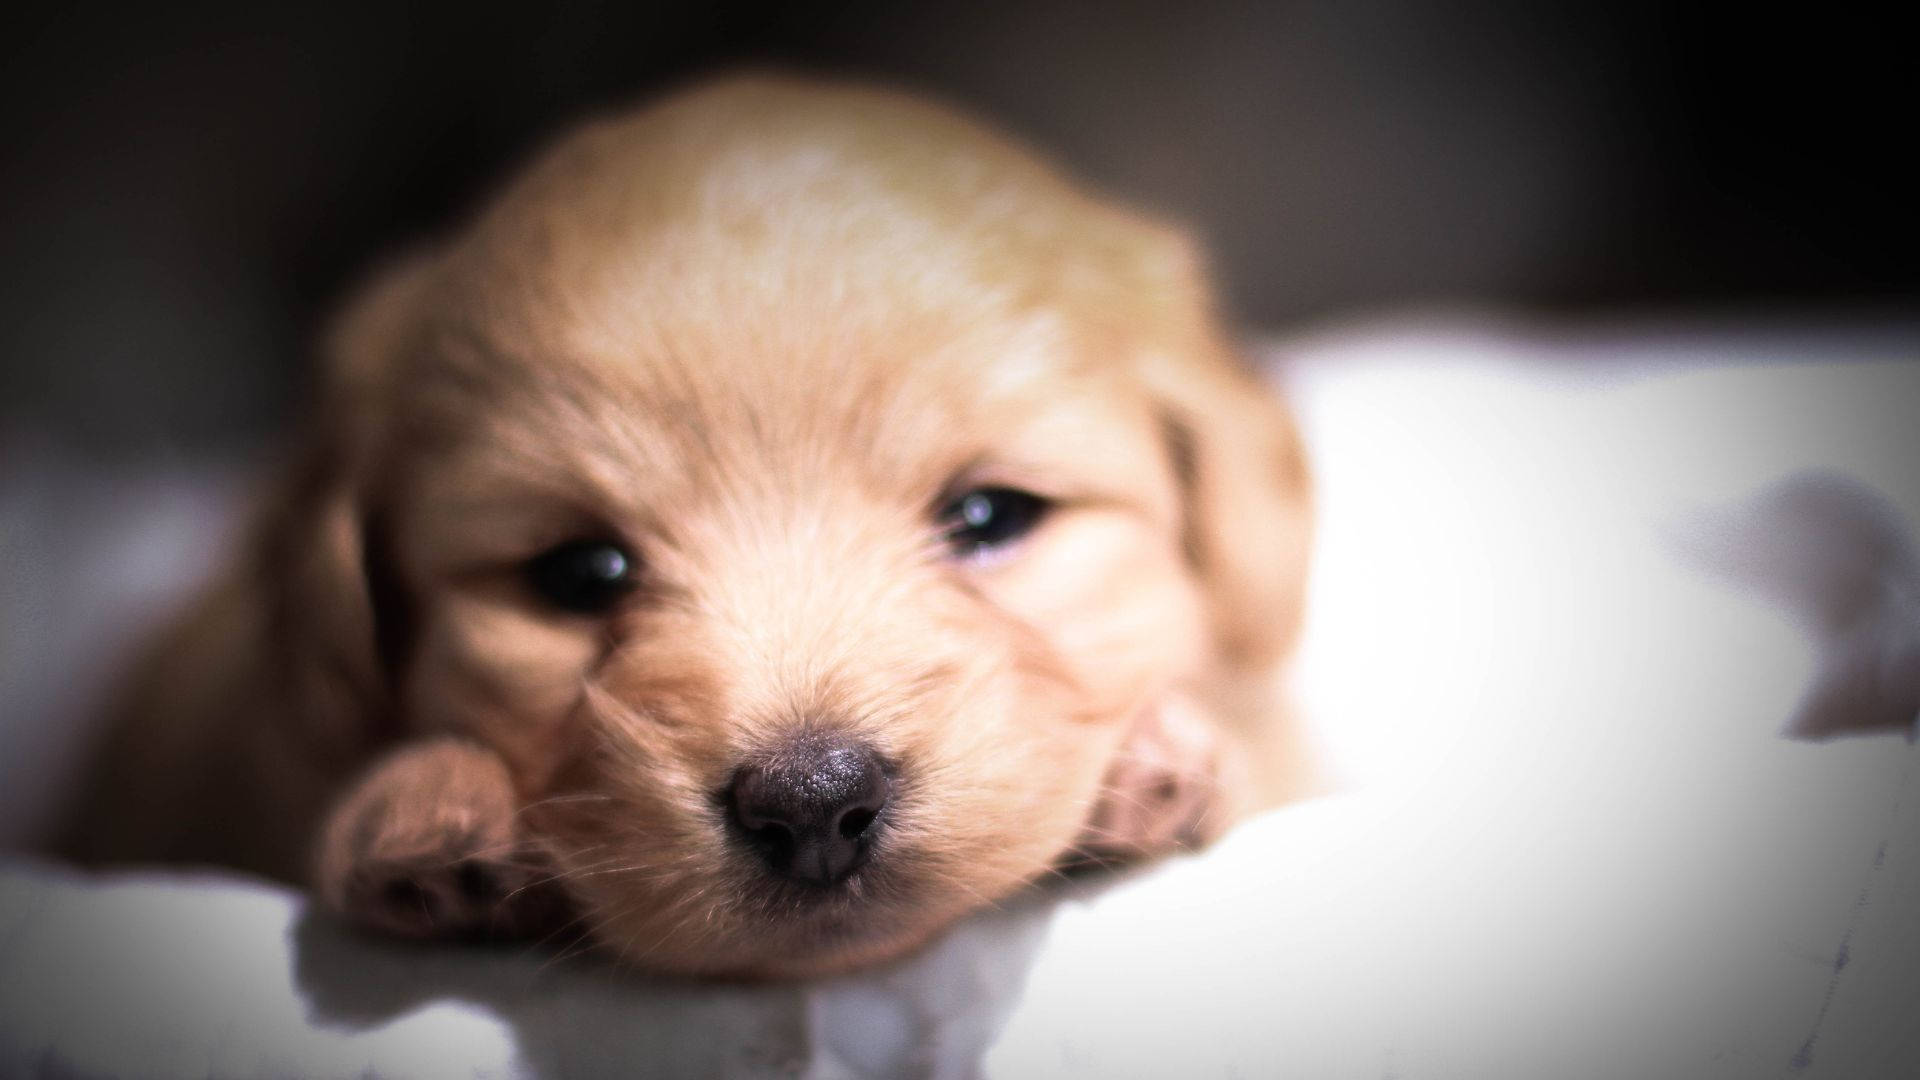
{"points": [[757, 332]]}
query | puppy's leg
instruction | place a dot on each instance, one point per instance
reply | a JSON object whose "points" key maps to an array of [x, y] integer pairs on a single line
{"points": [[427, 845], [1175, 784]]}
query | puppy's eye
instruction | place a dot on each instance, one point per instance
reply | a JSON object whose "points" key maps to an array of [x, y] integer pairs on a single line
{"points": [[582, 576], [982, 519]]}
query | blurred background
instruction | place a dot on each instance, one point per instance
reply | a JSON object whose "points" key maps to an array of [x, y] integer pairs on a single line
{"points": [[187, 187]]}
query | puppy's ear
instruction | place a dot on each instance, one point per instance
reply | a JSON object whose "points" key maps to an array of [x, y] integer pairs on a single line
{"points": [[1235, 452], [240, 723], [335, 612]]}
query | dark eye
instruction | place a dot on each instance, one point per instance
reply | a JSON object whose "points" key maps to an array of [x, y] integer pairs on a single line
{"points": [[985, 518], [582, 576]]}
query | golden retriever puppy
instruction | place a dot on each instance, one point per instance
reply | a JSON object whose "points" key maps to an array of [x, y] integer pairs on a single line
{"points": [[788, 518]]}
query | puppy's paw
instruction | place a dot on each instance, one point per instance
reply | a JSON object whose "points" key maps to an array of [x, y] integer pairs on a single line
{"points": [[426, 845], [1170, 787]]}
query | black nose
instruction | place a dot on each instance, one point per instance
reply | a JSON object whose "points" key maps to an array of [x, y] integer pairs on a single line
{"points": [[811, 809]]}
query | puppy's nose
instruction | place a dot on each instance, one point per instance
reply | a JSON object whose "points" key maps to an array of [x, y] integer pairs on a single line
{"points": [[811, 809]]}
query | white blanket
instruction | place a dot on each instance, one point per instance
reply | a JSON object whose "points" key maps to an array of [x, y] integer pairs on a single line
{"points": [[1568, 593]]}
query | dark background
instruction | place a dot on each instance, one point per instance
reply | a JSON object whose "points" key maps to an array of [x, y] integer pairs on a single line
{"points": [[186, 188]]}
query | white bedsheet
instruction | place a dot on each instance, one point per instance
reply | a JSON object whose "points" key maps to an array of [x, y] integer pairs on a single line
{"points": [[1560, 616]]}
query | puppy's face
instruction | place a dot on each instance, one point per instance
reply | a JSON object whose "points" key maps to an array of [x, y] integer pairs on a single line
{"points": [[775, 482]]}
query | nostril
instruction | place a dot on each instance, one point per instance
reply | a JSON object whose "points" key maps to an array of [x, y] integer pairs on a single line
{"points": [[854, 822], [752, 816], [774, 837]]}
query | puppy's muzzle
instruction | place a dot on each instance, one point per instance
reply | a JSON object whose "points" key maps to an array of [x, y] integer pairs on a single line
{"points": [[812, 809]]}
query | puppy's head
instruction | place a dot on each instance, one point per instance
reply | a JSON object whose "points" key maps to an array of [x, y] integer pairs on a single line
{"points": [[803, 491]]}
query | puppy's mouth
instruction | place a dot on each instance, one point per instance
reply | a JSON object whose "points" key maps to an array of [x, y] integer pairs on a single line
{"points": [[795, 917], [854, 906]]}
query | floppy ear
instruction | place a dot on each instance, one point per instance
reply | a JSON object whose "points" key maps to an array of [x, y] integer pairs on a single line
{"points": [[335, 614], [1245, 503], [1191, 765], [1245, 492], [244, 717]]}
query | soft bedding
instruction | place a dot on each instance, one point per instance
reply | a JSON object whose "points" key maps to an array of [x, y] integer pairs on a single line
{"points": [[1570, 590]]}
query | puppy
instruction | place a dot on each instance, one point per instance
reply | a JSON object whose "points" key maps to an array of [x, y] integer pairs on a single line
{"points": [[788, 518]]}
